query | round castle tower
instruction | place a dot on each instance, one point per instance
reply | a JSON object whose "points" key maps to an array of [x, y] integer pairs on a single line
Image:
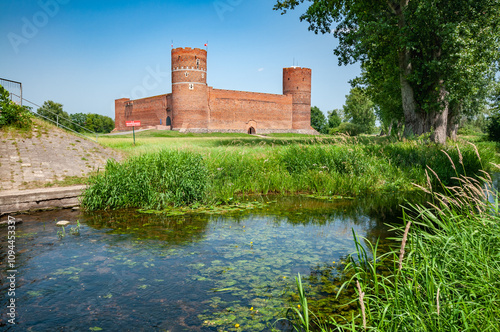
{"points": [[189, 89], [297, 83]]}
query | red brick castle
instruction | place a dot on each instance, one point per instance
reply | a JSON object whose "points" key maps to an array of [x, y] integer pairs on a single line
{"points": [[193, 106]]}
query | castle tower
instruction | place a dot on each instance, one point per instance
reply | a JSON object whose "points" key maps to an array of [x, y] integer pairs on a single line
{"points": [[189, 89], [297, 83]]}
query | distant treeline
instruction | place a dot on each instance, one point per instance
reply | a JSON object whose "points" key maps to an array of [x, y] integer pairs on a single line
{"points": [[78, 121]]}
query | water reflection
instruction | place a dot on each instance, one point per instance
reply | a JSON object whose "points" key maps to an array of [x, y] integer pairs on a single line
{"points": [[130, 271]]}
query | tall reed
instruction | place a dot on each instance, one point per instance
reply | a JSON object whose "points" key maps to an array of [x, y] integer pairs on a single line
{"points": [[446, 274]]}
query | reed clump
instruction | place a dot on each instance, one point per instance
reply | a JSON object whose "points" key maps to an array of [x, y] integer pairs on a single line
{"points": [[445, 276], [152, 181]]}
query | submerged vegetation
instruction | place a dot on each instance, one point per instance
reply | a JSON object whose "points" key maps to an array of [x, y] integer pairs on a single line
{"points": [[444, 277], [325, 167], [446, 280]]}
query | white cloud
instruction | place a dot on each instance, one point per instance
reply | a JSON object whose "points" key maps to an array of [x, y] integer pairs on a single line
{"points": [[260, 69]]}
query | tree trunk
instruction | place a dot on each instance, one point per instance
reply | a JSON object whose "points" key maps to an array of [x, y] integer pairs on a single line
{"points": [[389, 129], [453, 118], [408, 97], [413, 124], [439, 119], [418, 122], [439, 122]]}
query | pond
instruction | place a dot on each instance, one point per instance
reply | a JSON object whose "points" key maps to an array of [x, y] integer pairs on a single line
{"points": [[130, 271]]}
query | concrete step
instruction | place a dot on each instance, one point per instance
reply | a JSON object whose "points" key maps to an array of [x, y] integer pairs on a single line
{"points": [[39, 199]]}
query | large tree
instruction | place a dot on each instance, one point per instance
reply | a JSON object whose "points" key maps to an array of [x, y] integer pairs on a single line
{"points": [[439, 54], [54, 111], [334, 119], [358, 109], [318, 120]]}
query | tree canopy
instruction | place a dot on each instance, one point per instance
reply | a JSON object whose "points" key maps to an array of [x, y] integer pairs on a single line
{"points": [[334, 119], [426, 62], [77, 121], [359, 110], [318, 120], [54, 111]]}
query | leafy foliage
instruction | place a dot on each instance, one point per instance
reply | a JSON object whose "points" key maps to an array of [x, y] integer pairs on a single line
{"points": [[347, 128], [358, 109], [493, 127], [338, 165], [427, 61], [318, 120], [334, 119], [78, 121], [96, 122], [12, 114], [54, 111]]}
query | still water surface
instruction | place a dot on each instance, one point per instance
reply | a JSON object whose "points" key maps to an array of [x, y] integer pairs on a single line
{"points": [[128, 271]]}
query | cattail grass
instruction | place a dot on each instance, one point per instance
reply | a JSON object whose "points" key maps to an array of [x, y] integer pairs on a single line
{"points": [[403, 244], [475, 150], [361, 303], [437, 302], [449, 158]]}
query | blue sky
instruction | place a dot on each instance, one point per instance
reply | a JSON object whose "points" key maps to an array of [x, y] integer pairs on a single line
{"points": [[86, 54]]}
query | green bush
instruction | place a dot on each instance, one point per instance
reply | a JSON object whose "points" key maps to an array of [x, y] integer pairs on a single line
{"points": [[153, 180], [348, 128], [493, 128], [414, 157], [469, 129], [299, 159], [12, 114]]}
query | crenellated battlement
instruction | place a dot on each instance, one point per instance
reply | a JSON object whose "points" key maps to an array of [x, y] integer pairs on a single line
{"points": [[189, 49]]}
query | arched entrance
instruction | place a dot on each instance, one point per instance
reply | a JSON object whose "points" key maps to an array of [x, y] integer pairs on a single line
{"points": [[169, 121], [251, 131]]}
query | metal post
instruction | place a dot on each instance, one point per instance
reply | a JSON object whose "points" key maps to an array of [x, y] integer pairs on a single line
{"points": [[133, 131], [21, 84], [57, 118]]}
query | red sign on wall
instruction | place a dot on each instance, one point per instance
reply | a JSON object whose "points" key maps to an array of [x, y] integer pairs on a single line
{"points": [[133, 123]]}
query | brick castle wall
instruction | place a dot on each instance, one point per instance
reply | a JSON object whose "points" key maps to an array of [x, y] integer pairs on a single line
{"points": [[147, 110], [194, 106], [238, 110]]}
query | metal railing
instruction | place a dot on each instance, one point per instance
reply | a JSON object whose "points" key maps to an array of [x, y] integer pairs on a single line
{"points": [[9, 84], [57, 120]]}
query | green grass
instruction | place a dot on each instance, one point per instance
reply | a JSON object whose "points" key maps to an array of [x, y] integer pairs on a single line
{"points": [[245, 165], [151, 181], [445, 276]]}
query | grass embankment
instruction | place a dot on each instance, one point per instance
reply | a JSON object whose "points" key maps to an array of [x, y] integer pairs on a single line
{"points": [[219, 169], [444, 277]]}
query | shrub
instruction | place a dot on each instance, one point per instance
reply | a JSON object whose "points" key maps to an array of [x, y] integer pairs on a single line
{"points": [[469, 130], [493, 128], [153, 180], [299, 159], [348, 128], [12, 114]]}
